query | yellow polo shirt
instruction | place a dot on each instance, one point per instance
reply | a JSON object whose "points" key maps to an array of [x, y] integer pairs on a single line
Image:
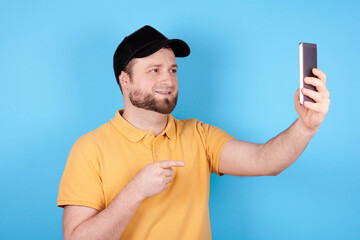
{"points": [[103, 161]]}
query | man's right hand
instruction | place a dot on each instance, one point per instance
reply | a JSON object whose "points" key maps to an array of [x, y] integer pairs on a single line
{"points": [[154, 178]]}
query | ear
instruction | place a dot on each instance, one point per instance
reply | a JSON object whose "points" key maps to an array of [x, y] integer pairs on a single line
{"points": [[124, 80]]}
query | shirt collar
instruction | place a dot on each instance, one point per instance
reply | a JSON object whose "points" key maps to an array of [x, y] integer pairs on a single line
{"points": [[170, 129], [134, 134]]}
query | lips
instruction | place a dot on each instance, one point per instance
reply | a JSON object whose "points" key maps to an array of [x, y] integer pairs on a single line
{"points": [[163, 92]]}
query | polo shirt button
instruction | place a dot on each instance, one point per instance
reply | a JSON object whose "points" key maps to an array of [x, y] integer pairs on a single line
{"points": [[147, 135], [156, 154]]}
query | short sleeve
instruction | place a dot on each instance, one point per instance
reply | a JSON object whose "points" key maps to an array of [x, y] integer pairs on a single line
{"points": [[214, 139], [81, 183]]}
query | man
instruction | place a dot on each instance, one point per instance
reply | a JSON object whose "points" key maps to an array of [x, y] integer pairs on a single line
{"points": [[145, 174]]}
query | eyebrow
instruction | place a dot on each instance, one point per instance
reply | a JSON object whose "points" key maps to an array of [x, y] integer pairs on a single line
{"points": [[160, 65]]}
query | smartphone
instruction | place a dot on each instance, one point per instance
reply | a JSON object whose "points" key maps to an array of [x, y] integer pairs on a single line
{"points": [[307, 61]]}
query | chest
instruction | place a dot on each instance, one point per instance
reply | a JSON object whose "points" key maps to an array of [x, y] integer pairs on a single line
{"points": [[120, 162]]}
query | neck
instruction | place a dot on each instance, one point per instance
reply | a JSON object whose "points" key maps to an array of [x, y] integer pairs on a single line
{"points": [[146, 120]]}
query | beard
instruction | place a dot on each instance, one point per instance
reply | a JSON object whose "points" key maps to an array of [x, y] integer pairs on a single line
{"points": [[148, 101]]}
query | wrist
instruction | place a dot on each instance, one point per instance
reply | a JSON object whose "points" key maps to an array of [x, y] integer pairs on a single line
{"points": [[304, 129], [134, 192]]}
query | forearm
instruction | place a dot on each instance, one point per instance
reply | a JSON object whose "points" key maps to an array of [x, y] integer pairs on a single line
{"points": [[281, 151], [112, 221]]}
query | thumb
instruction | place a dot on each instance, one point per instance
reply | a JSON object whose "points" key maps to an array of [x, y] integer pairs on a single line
{"points": [[297, 95], [298, 107]]}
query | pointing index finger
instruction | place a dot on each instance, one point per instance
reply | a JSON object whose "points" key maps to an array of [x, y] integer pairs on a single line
{"points": [[171, 163]]}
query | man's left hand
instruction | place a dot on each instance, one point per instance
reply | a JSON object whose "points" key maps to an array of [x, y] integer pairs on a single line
{"points": [[313, 114]]}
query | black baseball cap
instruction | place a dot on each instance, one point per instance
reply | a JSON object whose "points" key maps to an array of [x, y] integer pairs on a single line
{"points": [[142, 43]]}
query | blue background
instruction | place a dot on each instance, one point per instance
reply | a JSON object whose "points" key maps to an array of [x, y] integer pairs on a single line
{"points": [[57, 84]]}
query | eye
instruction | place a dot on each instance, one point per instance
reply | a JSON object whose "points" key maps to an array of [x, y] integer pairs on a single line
{"points": [[173, 70], [154, 70]]}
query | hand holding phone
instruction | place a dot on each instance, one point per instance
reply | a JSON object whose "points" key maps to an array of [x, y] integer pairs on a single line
{"points": [[307, 61]]}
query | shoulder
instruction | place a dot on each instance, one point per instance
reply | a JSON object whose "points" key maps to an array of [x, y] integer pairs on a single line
{"points": [[205, 131], [186, 122], [193, 127], [188, 125], [95, 137], [194, 124]]}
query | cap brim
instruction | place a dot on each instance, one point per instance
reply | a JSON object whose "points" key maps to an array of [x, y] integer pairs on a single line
{"points": [[179, 47]]}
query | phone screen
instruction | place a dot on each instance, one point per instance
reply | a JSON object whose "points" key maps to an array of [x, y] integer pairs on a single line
{"points": [[307, 61]]}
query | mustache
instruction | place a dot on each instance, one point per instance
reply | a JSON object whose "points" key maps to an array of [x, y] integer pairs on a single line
{"points": [[165, 89]]}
